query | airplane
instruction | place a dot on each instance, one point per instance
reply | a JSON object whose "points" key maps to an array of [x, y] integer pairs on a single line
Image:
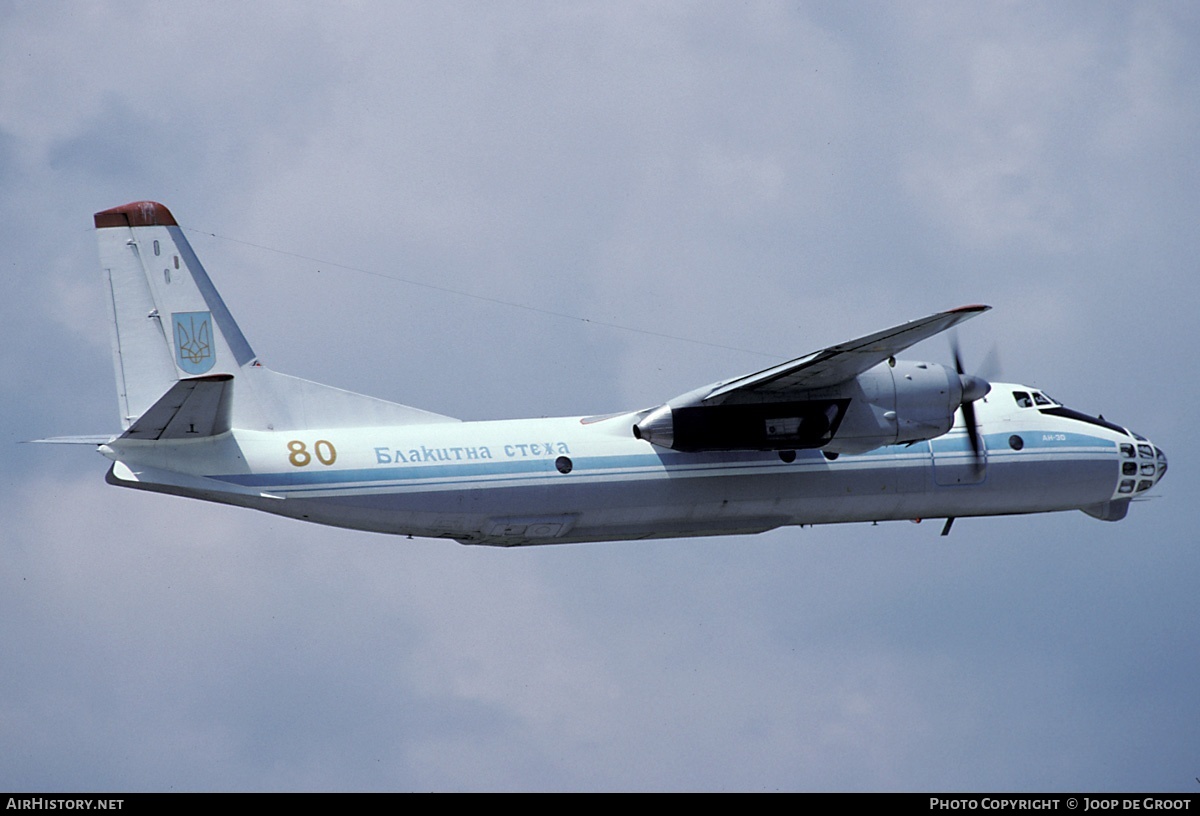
{"points": [[845, 434]]}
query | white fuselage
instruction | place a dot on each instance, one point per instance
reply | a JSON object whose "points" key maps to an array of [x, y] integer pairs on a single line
{"points": [[543, 481]]}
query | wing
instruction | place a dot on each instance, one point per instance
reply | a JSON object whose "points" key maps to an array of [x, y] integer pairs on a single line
{"points": [[839, 363], [803, 403]]}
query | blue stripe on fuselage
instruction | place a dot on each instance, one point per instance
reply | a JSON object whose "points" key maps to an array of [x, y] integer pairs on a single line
{"points": [[473, 472]]}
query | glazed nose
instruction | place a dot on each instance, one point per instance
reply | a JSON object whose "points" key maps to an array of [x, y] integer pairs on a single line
{"points": [[1143, 465], [1160, 463]]}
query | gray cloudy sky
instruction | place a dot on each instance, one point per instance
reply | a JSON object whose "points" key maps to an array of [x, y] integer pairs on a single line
{"points": [[771, 177]]}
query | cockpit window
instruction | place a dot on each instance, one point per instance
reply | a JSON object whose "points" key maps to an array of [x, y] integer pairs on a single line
{"points": [[1023, 400], [1041, 399]]}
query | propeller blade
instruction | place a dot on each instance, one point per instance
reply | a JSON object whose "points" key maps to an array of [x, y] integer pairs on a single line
{"points": [[973, 388], [991, 368], [968, 409]]}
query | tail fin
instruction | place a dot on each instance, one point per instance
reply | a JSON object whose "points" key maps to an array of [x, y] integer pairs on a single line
{"points": [[169, 325], [168, 322]]}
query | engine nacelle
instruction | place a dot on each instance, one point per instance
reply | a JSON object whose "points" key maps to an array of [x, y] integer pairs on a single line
{"points": [[905, 402], [892, 403], [743, 426]]}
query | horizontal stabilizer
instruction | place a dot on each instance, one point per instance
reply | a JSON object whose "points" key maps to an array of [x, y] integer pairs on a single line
{"points": [[192, 408], [76, 440]]}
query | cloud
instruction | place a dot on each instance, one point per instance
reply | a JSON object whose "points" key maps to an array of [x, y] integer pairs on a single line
{"points": [[773, 179]]}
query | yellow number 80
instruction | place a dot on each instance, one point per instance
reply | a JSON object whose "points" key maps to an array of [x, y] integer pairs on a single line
{"points": [[299, 456]]}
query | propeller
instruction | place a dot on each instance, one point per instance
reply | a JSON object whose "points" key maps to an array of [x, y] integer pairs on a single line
{"points": [[991, 368], [973, 388]]}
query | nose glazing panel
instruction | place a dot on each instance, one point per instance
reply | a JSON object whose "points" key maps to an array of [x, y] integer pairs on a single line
{"points": [[1142, 466]]}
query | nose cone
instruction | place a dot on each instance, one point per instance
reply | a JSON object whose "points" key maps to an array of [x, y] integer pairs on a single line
{"points": [[1142, 466]]}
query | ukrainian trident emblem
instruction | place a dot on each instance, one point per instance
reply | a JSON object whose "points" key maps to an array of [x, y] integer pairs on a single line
{"points": [[194, 351]]}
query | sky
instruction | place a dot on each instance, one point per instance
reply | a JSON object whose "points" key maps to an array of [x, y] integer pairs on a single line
{"points": [[538, 209]]}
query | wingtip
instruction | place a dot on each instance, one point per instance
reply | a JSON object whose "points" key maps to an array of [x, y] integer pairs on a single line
{"points": [[973, 307], [136, 214]]}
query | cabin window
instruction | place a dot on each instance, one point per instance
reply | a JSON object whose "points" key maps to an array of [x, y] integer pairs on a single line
{"points": [[1126, 486], [1146, 451], [1041, 399], [1023, 400], [156, 247], [1015, 442], [1127, 450], [1129, 468], [563, 464]]}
